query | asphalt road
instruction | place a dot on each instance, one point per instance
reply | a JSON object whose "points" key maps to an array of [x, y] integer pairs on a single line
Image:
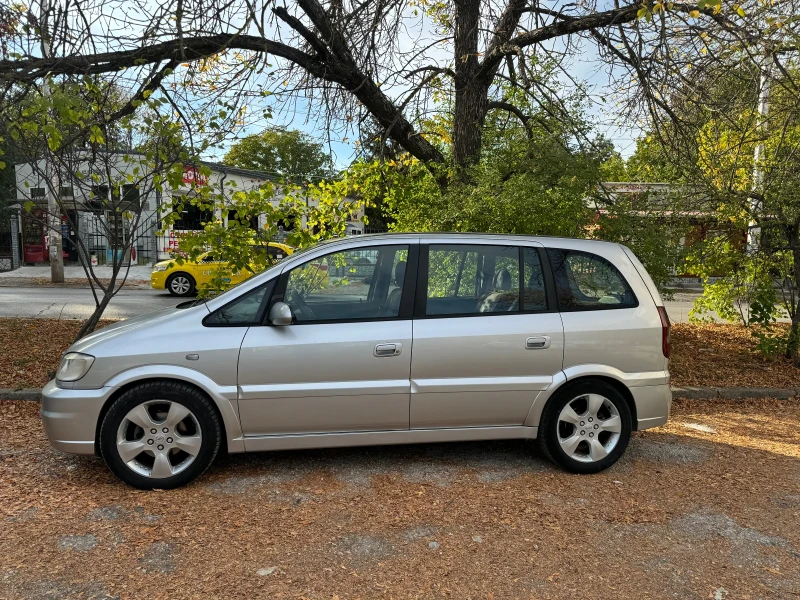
{"points": [[77, 303]]}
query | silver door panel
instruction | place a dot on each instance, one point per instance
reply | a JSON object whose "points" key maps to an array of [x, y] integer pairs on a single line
{"points": [[324, 377], [464, 409], [322, 389], [329, 413], [477, 371]]}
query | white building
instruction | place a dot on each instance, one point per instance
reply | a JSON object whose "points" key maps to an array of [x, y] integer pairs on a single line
{"points": [[87, 216]]}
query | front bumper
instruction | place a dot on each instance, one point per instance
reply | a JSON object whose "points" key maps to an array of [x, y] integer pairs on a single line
{"points": [[653, 404], [70, 417], [158, 280]]}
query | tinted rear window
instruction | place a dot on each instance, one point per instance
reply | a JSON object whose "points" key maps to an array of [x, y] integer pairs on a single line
{"points": [[585, 281]]}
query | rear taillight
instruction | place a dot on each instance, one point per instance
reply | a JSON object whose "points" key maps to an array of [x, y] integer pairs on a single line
{"points": [[665, 327]]}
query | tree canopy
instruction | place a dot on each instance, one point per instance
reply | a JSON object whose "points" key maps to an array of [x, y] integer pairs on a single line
{"points": [[735, 160], [290, 154], [354, 63]]}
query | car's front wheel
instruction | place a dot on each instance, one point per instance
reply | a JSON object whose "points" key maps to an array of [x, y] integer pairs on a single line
{"points": [[160, 435], [585, 427], [181, 284]]}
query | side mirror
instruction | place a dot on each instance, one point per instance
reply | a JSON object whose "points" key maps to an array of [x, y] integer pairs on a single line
{"points": [[280, 314]]}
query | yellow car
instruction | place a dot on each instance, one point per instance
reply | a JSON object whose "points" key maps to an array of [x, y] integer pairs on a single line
{"points": [[183, 280]]}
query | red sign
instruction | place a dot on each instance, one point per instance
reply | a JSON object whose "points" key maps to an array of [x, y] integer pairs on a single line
{"points": [[192, 176], [170, 241], [174, 239]]}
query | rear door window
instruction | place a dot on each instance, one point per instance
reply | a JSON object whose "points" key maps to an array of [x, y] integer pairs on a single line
{"points": [[466, 279], [534, 297], [585, 281]]}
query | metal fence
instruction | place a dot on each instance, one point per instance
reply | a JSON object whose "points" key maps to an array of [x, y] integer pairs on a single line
{"points": [[102, 233], [9, 241], [6, 245]]}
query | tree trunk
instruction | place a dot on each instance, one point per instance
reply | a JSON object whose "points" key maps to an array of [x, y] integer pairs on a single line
{"points": [[90, 324], [793, 346], [471, 91]]}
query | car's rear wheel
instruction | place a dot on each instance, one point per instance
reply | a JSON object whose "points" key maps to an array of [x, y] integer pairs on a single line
{"points": [[181, 284], [160, 435], [585, 427]]}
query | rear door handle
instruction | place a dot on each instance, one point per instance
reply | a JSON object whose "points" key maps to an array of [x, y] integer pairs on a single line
{"points": [[538, 342], [388, 349]]}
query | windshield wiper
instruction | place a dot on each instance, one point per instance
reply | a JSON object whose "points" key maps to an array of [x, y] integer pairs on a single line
{"points": [[192, 303]]}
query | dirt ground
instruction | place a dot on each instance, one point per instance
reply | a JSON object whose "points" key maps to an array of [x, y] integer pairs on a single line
{"points": [[724, 355], [30, 349], [706, 507]]}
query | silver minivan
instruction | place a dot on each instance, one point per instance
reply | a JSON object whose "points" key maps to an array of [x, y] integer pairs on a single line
{"points": [[388, 339]]}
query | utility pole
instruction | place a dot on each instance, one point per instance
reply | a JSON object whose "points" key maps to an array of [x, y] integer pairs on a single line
{"points": [[765, 81], [54, 243]]}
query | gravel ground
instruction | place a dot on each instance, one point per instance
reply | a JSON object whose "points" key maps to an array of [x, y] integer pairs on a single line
{"points": [[707, 507]]}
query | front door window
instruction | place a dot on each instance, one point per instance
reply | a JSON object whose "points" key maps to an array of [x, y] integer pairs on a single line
{"points": [[363, 283]]}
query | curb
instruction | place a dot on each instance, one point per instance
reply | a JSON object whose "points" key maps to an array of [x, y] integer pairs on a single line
{"points": [[689, 392], [34, 394], [733, 393], [130, 285]]}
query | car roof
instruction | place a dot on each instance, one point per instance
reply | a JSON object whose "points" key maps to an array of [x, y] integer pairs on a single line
{"points": [[549, 241]]}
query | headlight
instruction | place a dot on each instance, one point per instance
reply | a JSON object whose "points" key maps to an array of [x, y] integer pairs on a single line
{"points": [[157, 268], [74, 365]]}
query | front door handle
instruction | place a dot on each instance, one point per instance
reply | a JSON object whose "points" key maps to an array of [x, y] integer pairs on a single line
{"points": [[538, 342], [388, 349]]}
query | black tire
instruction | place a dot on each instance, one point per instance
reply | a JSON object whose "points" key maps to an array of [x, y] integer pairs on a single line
{"points": [[179, 277], [548, 426], [174, 391]]}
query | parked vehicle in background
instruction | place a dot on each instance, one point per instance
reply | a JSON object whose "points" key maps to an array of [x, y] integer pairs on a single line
{"points": [[185, 279], [439, 337]]}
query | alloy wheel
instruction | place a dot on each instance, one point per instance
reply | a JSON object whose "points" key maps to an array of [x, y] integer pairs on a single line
{"points": [[589, 427], [180, 285], [159, 438]]}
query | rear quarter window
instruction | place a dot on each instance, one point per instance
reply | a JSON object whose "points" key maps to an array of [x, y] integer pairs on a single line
{"points": [[585, 281]]}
